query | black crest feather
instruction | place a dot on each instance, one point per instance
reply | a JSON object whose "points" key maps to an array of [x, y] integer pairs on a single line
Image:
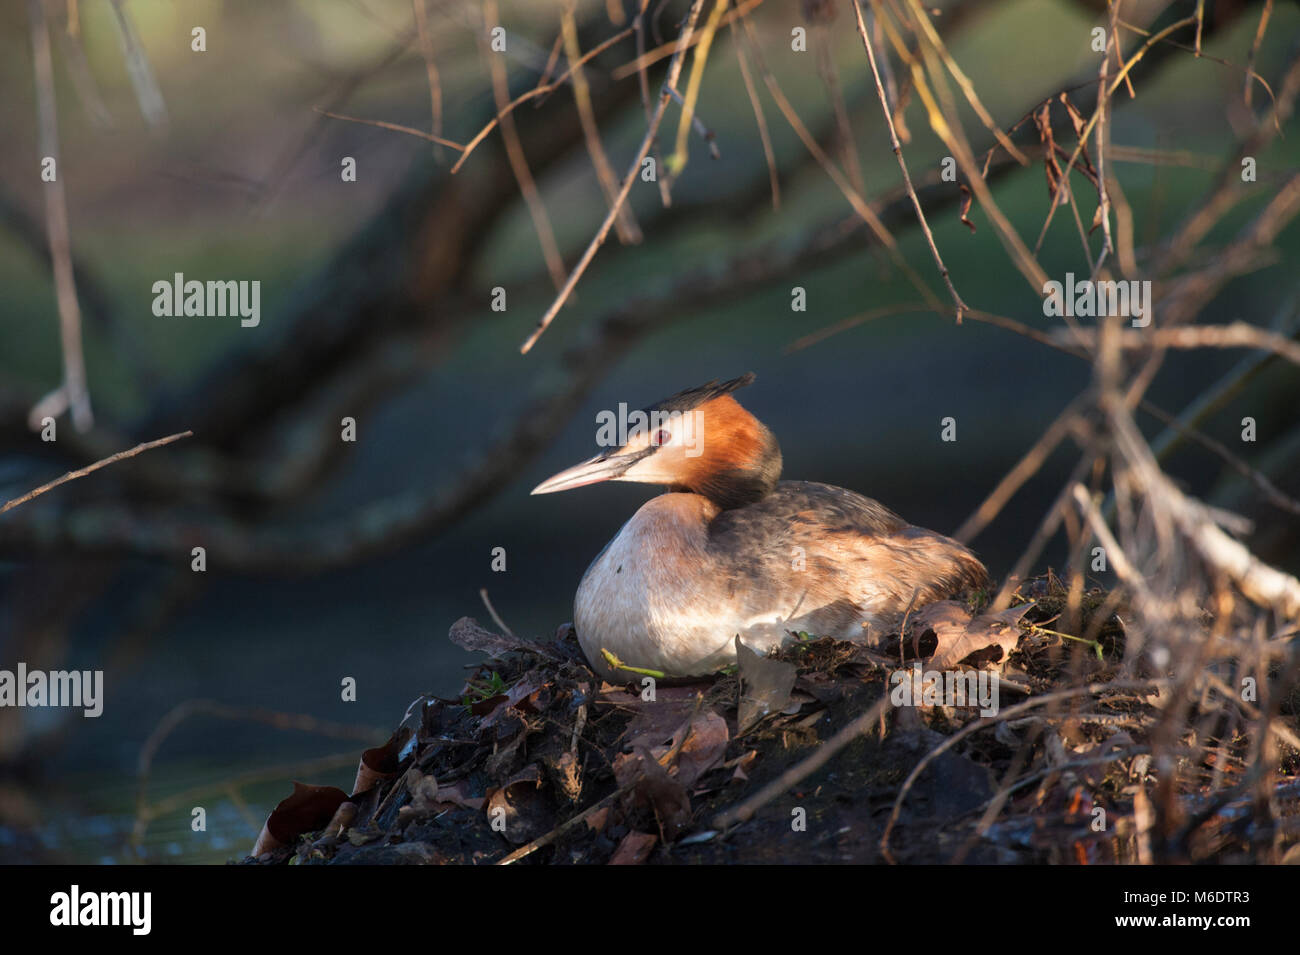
{"points": [[694, 397]]}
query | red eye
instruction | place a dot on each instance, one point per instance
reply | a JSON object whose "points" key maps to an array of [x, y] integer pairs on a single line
{"points": [[661, 437]]}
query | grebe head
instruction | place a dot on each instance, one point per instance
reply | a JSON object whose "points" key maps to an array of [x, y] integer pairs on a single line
{"points": [[700, 440]]}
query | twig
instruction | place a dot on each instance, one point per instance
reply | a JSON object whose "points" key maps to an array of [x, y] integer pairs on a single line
{"points": [[853, 321], [543, 841], [643, 83], [75, 387], [948, 129], [1261, 482], [625, 222], [83, 80], [1227, 387], [674, 70], [178, 714], [1226, 191], [515, 153], [147, 92], [921, 19], [395, 127], [430, 68], [616, 664], [1103, 190], [1119, 78], [977, 725], [764, 136], [534, 93], [830, 78], [744, 811], [1232, 335], [668, 49], [505, 628], [1023, 470], [902, 164], [1254, 49], [706, 134], [82, 472], [677, 161], [859, 205], [1124, 568]]}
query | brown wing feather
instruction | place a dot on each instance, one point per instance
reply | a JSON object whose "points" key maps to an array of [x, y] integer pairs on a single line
{"points": [[858, 555]]}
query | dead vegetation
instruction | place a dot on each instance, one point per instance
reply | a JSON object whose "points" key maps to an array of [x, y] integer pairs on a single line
{"points": [[808, 756]]}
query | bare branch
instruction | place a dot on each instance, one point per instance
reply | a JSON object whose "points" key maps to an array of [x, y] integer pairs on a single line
{"points": [[902, 164], [91, 468], [75, 388], [674, 70], [395, 127]]}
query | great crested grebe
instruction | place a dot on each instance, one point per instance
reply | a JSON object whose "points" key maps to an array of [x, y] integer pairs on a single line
{"points": [[732, 551]]}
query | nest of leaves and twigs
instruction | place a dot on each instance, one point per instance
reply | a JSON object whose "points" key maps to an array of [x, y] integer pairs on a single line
{"points": [[804, 756]]}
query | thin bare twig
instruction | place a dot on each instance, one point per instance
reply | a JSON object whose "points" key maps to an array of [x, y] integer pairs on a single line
{"points": [[147, 92], [1024, 469], [515, 153], [430, 69], [764, 136], [1103, 189], [674, 70], [946, 125], [976, 725], [1232, 335], [902, 164], [1261, 483], [628, 231], [643, 83], [830, 78], [859, 205], [744, 811], [91, 468], [395, 127], [75, 390], [677, 161], [698, 124], [668, 49], [492, 612], [1264, 15], [537, 91]]}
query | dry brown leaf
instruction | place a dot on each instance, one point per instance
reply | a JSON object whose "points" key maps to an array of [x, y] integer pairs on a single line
{"points": [[468, 634], [308, 809], [524, 696], [523, 805], [960, 636], [765, 686], [380, 763], [650, 786], [635, 849], [657, 723], [704, 747]]}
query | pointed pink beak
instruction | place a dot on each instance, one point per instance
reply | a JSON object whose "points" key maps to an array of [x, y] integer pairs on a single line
{"points": [[607, 466]]}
